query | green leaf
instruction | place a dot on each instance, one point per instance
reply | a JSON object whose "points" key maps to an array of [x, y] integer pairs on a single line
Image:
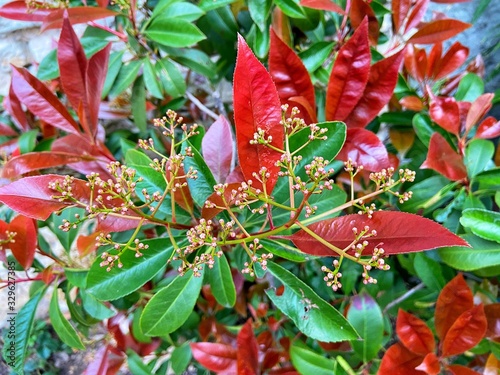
{"points": [[180, 11], [174, 32], [366, 317], [118, 282], [285, 251], [488, 180], [151, 79], [208, 5], [136, 365], [203, 186], [76, 276], [429, 194], [291, 8], [471, 86], [306, 361], [315, 56], [259, 12], [478, 155], [424, 128], [171, 77], [170, 307], [65, 238], [429, 271], [128, 73], [482, 254], [114, 66], [15, 344], [137, 158], [221, 282], [181, 358], [483, 223], [193, 59], [27, 141], [138, 100], [95, 308], [312, 315], [136, 327], [64, 330]]}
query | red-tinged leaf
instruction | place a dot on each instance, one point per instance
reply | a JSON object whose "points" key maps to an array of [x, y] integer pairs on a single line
{"points": [[248, 352], [411, 102], [415, 62], [290, 76], [76, 15], [488, 128], [430, 365], [217, 147], [364, 148], [453, 59], [462, 370], [118, 224], [450, 1], [32, 197], [443, 159], [327, 5], [256, 106], [107, 361], [41, 101], [230, 194], [6, 130], [398, 360], [281, 26], [182, 196], [103, 3], [444, 111], [86, 244], [358, 12], [478, 110], [34, 161], [466, 332], [414, 333], [220, 358], [434, 58], [284, 371], [400, 10], [25, 242], [13, 106], [416, 15], [349, 75], [396, 233], [455, 298], [17, 10], [378, 91], [493, 317], [492, 366], [438, 31]]}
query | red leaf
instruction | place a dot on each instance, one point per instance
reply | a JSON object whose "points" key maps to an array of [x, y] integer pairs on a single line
{"points": [[256, 106], [492, 313], [434, 58], [412, 102], [397, 233], [220, 358], [414, 333], [327, 5], [248, 352], [76, 15], [229, 196], [378, 91], [450, 1], [364, 148], [478, 110], [107, 361], [488, 128], [13, 106], [6, 130], [430, 365], [438, 31], [41, 101], [462, 370], [87, 244], [25, 242], [33, 161], [281, 25], [455, 298], [466, 332], [32, 197], [290, 76], [453, 59], [349, 75], [358, 12], [443, 159], [444, 111], [416, 15], [17, 10], [217, 147], [400, 10], [398, 360]]}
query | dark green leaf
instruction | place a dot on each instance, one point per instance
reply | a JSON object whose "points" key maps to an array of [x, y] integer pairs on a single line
{"points": [[114, 66], [66, 238], [180, 11], [291, 8], [174, 32], [151, 79], [27, 141], [136, 327], [315, 56], [136, 365], [478, 156], [308, 362], [138, 101], [221, 282], [95, 308], [208, 5], [64, 330], [429, 271], [77, 277], [171, 77], [260, 11], [128, 73], [285, 251], [193, 59]]}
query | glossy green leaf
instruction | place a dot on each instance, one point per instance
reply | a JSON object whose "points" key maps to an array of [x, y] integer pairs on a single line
{"points": [[136, 365], [482, 254], [208, 5], [170, 307], [429, 271], [137, 158], [316, 55], [488, 180], [483, 223], [76, 276], [181, 358], [174, 32], [193, 59], [114, 66], [119, 282], [221, 282], [180, 11], [424, 128], [291, 8], [136, 327], [284, 250], [312, 315], [308, 362], [260, 11], [95, 308], [471, 86], [63, 328], [138, 101], [128, 73], [66, 238], [429, 194], [27, 141], [151, 79], [171, 78], [366, 317], [478, 156]]}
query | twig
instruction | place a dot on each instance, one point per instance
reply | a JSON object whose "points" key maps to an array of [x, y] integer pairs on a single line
{"points": [[404, 296], [201, 106]]}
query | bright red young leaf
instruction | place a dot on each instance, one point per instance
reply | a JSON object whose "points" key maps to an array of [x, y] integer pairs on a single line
{"points": [[360, 10], [248, 351], [455, 299], [443, 159], [220, 358], [444, 111], [229, 194], [217, 147], [414, 333], [453, 59], [349, 75], [327, 5], [434, 57], [398, 360], [256, 106], [281, 25], [96, 75], [6, 130], [416, 15], [41, 101], [32, 197], [17, 10], [400, 10], [478, 110], [492, 313], [86, 244], [438, 31], [83, 14], [364, 148], [488, 128], [291, 76], [397, 233], [430, 365], [415, 62], [462, 370], [378, 91], [466, 332], [412, 102], [14, 107], [25, 242]]}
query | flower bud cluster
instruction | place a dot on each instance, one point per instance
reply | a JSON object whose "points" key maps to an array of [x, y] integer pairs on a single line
{"points": [[317, 133], [369, 210], [64, 188], [332, 277], [9, 238], [262, 260], [109, 261], [259, 138], [352, 167], [317, 171], [198, 236], [293, 123]]}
